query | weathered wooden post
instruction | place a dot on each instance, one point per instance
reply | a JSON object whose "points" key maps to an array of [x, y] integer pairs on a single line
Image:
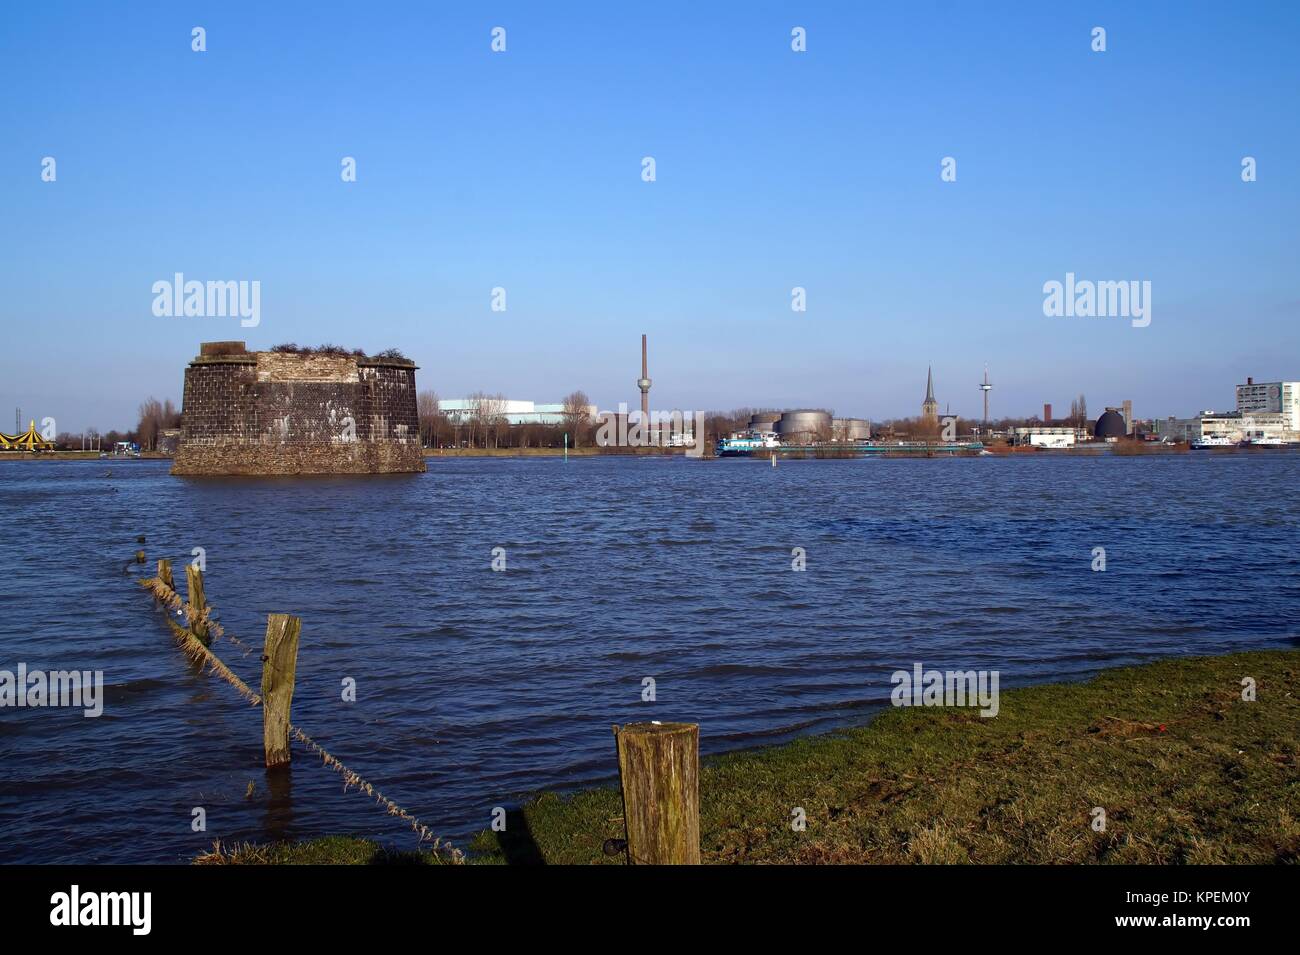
{"points": [[279, 667], [659, 765], [194, 582], [165, 573]]}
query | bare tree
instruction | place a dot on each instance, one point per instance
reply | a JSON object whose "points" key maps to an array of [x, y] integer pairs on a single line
{"points": [[577, 415], [474, 416], [486, 416], [494, 417], [151, 422], [155, 418], [427, 405]]}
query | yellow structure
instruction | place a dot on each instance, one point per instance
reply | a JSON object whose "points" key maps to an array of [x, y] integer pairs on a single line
{"points": [[30, 440]]}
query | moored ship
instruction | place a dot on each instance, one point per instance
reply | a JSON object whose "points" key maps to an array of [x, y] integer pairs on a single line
{"points": [[744, 443], [1207, 441]]}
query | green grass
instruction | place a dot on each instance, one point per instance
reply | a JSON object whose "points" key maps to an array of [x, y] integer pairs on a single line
{"points": [[1186, 771], [329, 850], [6, 455]]}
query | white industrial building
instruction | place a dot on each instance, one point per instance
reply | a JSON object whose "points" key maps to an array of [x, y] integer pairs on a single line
{"points": [[1207, 424], [1266, 411], [1269, 399], [514, 411], [1044, 437]]}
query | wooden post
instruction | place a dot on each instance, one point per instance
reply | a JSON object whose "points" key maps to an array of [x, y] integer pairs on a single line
{"points": [[165, 573], [659, 765], [279, 667], [194, 581]]}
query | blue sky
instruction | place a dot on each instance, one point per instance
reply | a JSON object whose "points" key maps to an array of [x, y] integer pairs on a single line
{"points": [[775, 169]]}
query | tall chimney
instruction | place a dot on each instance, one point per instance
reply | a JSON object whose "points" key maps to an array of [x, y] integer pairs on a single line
{"points": [[644, 384], [1047, 413]]}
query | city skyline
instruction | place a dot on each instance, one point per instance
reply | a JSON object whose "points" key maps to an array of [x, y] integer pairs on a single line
{"points": [[975, 416], [775, 171]]}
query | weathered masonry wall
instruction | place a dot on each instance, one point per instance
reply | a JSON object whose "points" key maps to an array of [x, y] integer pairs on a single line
{"points": [[284, 413]]}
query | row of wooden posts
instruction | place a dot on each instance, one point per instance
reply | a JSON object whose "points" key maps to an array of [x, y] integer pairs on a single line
{"points": [[658, 763], [279, 660]]}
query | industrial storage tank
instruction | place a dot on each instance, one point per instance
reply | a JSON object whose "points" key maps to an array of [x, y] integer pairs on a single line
{"points": [[764, 421], [851, 429], [804, 426], [1110, 425]]}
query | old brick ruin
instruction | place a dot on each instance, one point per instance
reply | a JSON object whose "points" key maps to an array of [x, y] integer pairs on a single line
{"points": [[289, 413]]}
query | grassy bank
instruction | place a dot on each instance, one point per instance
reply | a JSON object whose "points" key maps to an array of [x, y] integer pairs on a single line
{"points": [[80, 456], [1186, 771], [329, 850]]}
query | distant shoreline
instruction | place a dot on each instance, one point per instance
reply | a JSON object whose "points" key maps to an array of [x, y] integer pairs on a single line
{"points": [[510, 452], [80, 456], [1091, 450]]}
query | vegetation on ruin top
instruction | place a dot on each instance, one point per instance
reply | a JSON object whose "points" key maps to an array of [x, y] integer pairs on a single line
{"points": [[388, 354]]}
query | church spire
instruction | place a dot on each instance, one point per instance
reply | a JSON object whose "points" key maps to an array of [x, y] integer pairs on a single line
{"points": [[929, 407]]}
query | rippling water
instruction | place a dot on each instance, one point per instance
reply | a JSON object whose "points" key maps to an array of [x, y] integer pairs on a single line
{"points": [[475, 687]]}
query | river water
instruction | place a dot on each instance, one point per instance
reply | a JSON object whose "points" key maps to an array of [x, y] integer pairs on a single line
{"points": [[475, 687]]}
